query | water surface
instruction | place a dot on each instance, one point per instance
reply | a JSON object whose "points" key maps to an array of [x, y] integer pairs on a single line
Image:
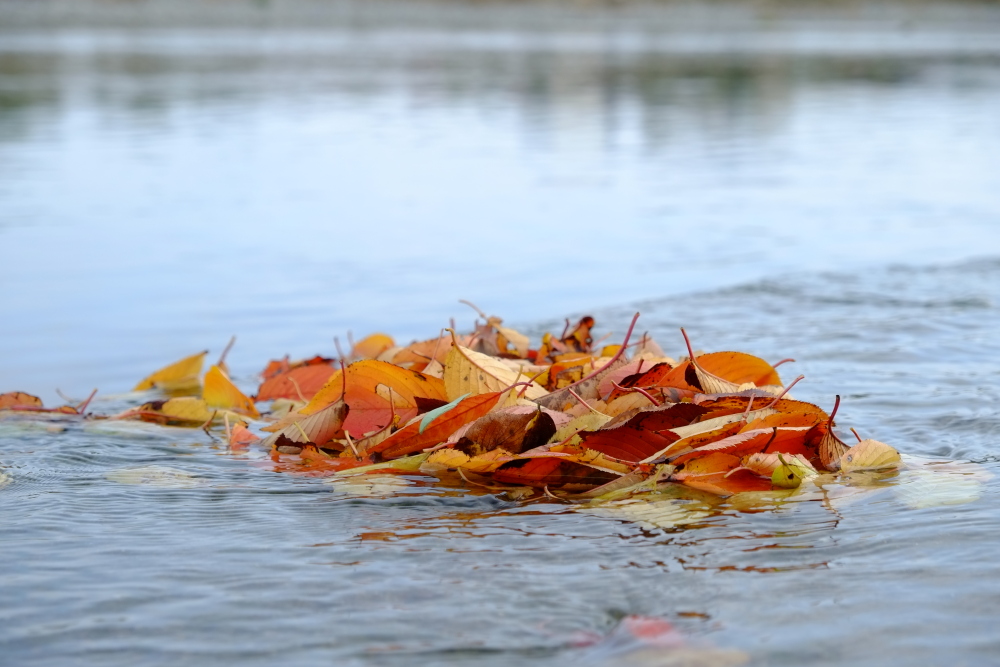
{"points": [[161, 190]]}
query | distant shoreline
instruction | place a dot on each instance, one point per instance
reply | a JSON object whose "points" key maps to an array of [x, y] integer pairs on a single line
{"points": [[528, 15]]}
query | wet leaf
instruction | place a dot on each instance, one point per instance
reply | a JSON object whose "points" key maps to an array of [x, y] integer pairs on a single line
{"points": [[791, 471], [869, 455], [240, 437], [163, 477]]}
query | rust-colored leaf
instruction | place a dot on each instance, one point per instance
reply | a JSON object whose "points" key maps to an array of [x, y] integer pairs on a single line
{"points": [[411, 439], [551, 471], [627, 442], [240, 437]]}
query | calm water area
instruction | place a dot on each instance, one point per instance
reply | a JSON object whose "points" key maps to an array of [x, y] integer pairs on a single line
{"points": [[826, 191]]}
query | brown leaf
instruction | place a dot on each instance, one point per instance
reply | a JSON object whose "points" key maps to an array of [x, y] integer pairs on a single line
{"points": [[513, 431], [411, 439]]}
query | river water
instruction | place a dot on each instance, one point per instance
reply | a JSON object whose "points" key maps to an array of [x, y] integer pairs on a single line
{"points": [[161, 190]]}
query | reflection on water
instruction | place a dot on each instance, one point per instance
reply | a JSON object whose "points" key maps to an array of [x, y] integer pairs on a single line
{"points": [[162, 190]]}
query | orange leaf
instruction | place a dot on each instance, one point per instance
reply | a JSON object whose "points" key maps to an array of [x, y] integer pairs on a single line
{"points": [[372, 346], [409, 439], [240, 437], [18, 399], [739, 368], [298, 384], [424, 351], [368, 391]]}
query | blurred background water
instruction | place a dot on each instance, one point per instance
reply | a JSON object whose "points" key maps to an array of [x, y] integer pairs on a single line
{"points": [[813, 181]]}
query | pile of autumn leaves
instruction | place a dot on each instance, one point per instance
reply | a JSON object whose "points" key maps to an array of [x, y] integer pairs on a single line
{"points": [[567, 418]]}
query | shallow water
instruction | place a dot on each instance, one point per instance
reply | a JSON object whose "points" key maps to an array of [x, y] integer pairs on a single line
{"points": [[161, 191]]}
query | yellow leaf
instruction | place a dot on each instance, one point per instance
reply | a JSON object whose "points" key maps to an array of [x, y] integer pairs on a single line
{"points": [[186, 409], [869, 455], [220, 392], [481, 464], [791, 472], [183, 373], [468, 372], [517, 339]]}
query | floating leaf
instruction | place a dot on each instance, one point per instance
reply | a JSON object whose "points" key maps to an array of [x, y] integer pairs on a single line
{"points": [[156, 476], [869, 455], [18, 399], [791, 472], [180, 374]]}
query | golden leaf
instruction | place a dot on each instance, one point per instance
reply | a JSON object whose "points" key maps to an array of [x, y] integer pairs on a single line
{"points": [[468, 372], [220, 392], [180, 374]]}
